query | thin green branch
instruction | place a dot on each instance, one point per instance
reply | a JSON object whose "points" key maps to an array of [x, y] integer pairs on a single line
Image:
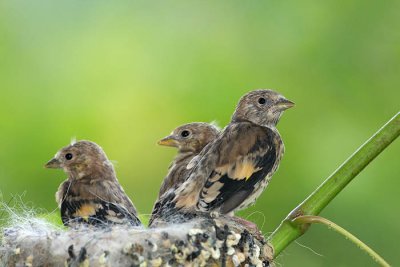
{"points": [[287, 231], [308, 219]]}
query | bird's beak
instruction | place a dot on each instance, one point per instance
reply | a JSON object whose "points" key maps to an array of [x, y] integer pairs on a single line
{"points": [[169, 140], [53, 164], [284, 104]]}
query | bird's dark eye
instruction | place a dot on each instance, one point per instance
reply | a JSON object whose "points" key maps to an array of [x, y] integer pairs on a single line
{"points": [[262, 101], [68, 156], [185, 133]]}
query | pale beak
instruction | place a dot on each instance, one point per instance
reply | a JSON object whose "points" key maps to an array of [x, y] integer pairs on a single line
{"points": [[284, 104], [53, 164], [168, 141]]}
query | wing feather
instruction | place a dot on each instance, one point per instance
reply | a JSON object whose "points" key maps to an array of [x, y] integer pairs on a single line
{"points": [[96, 203], [247, 154]]}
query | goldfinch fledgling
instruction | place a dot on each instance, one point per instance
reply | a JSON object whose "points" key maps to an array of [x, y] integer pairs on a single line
{"points": [[190, 139], [236, 167], [91, 194]]}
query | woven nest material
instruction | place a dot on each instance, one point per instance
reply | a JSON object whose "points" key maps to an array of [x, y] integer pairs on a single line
{"points": [[199, 242]]}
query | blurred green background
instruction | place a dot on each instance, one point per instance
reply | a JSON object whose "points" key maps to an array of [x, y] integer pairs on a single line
{"points": [[124, 74]]}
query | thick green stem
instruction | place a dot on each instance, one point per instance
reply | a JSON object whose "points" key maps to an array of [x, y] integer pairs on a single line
{"points": [[288, 231], [308, 219]]}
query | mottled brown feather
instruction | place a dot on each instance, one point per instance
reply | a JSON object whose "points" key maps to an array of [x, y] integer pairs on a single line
{"points": [[200, 134], [92, 189], [188, 149]]}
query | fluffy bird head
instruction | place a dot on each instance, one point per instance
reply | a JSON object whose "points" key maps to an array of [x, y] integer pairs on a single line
{"points": [[82, 159], [191, 137], [263, 107]]}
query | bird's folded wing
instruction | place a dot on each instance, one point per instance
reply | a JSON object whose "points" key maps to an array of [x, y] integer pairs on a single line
{"points": [[246, 156], [95, 212], [96, 203], [193, 162]]}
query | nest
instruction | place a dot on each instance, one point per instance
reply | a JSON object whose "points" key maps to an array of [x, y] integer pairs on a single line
{"points": [[202, 241]]}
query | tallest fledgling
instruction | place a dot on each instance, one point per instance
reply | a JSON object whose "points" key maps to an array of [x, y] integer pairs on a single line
{"points": [[235, 168]]}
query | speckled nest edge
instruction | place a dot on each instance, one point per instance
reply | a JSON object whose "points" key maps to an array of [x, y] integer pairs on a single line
{"points": [[200, 242]]}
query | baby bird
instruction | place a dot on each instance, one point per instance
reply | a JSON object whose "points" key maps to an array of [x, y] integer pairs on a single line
{"points": [[91, 194], [234, 169], [190, 139]]}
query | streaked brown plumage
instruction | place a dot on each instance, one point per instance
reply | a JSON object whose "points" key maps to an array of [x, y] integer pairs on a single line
{"points": [[92, 193], [190, 139], [235, 168]]}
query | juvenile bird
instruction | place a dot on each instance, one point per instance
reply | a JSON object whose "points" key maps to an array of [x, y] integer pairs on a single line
{"points": [[190, 139], [91, 194], [235, 168]]}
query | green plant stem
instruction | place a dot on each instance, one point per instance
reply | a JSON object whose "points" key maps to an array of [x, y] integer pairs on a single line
{"points": [[308, 219], [288, 231]]}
